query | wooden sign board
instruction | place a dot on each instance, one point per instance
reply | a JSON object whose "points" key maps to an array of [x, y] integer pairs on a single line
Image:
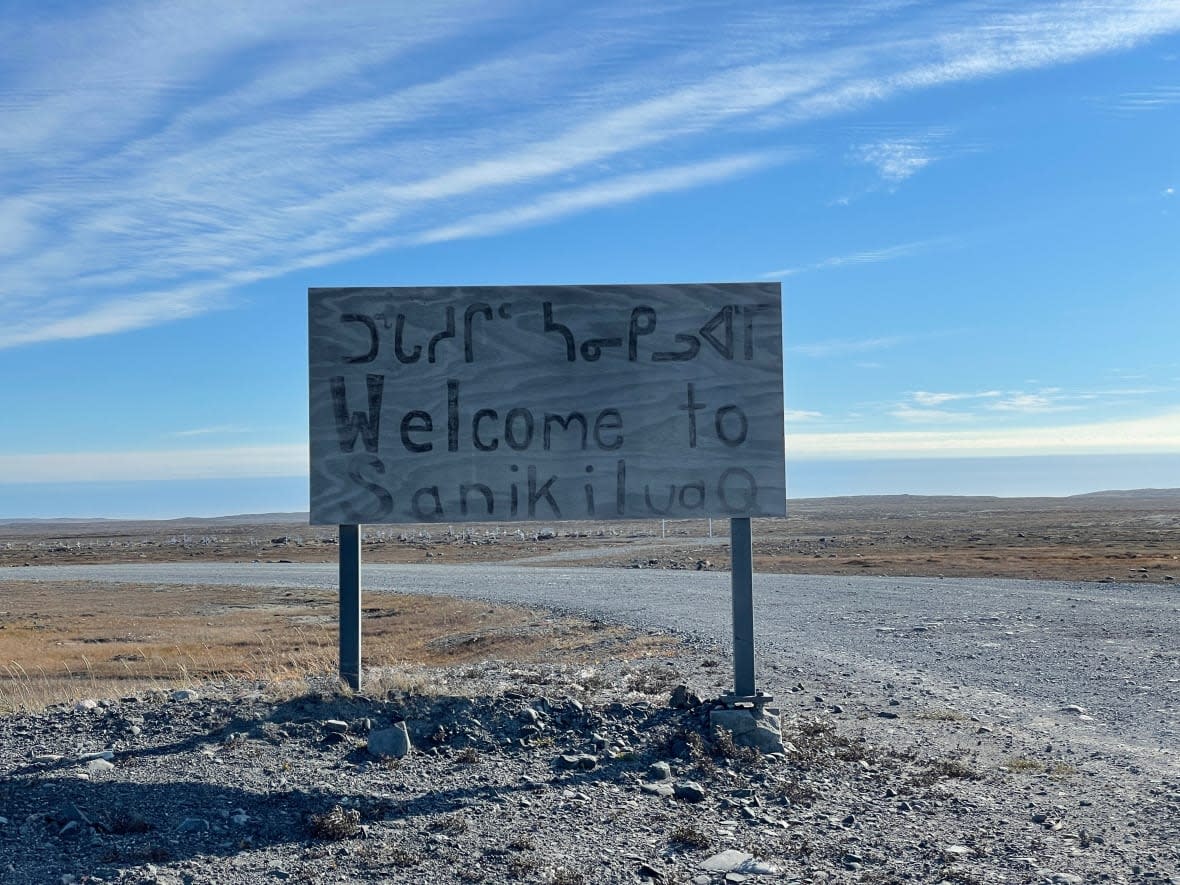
{"points": [[505, 403]]}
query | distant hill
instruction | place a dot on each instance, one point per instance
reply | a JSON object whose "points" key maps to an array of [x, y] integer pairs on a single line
{"points": [[1135, 494], [294, 518]]}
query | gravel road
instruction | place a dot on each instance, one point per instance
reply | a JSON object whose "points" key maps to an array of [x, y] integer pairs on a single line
{"points": [[1092, 666]]}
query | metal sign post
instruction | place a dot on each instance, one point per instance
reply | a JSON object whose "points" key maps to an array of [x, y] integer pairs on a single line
{"points": [[350, 605], [742, 553]]}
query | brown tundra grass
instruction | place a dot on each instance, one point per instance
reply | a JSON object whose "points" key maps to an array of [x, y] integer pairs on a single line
{"points": [[62, 642]]}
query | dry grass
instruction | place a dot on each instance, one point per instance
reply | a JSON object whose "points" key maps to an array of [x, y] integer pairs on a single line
{"points": [[62, 642]]}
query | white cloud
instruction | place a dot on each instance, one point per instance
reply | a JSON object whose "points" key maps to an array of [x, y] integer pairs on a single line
{"points": [[219, 463], [931, 398], [794, 415], [159, 156], [1155, 434], [868, 256], [843, 346], [898, 159]]}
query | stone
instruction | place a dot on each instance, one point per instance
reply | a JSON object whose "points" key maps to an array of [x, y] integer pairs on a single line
{"points": [[583, 761], [661, 789], [393, 742], [193, 825], [336, 726], [99, 766], [86, 704], [659, 771], [761, 730], [734, 862], [184, 695], [689, 791], [684, 698]]}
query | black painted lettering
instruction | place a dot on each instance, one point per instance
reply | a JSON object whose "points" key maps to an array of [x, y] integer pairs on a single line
{"points": [[643, 322], [747, 488], [609, 420], [722, 319], [725, 432], [652, 508], [416, 421], [374, 341], [367, 425], [748, 313], [384, 507], [476, 438], [561, 329], [488, 498], [697, 490], [691, 344], [620, 487], [564, 423], [592, 348], [398, 343], [692, 407], [511, 420], [537, 493], [430, 492], [589, 490], [439, 337], [513, 495], [469, 315], [452, 416]]}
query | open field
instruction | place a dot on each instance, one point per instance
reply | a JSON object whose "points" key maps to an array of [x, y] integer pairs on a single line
{"points": [[71, 640], [1121, 536]]}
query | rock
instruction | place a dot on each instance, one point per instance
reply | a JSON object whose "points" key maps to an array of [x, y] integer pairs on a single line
{"points": [[1067, 879], [887, 714], [193, 825], [957, 852], [184, 695], [684, 698], [336, 726], [393, 742], [689, 791], [86, 704], [726, 862], [662, 789], [659, 771], [647, 871], [733, 861], [583, 761], [99, 766], [761, 730]]}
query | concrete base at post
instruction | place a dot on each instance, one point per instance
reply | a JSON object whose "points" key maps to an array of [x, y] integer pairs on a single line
{"points": [[758, 727]]}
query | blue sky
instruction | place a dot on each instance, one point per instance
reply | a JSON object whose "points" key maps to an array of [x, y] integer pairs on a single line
{"points": [[973, 208]]}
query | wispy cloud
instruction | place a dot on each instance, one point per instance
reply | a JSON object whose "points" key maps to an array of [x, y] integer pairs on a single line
{"points": [[925, 406], [793, 416], [1157, 99], [899, 158], [219, 430], [159, 157], [1155, 434], [868, 256], [843, 346], [217, 463]]}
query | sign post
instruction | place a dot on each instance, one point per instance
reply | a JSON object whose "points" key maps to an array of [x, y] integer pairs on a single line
{"points": [[350, 605], [742, 592], [514, 403]]}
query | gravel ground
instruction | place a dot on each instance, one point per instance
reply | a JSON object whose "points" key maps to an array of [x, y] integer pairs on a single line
{"points": [[967, 731]]}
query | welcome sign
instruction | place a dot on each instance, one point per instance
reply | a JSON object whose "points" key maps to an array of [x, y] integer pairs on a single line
{"points": [[503, 403]]}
